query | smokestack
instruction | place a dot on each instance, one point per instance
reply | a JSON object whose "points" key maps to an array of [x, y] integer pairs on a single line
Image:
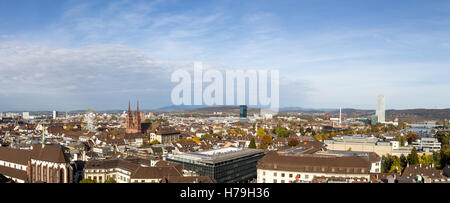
{"points": [[340, 115]]}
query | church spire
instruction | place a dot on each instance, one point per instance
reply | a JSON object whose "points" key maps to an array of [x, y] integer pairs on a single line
{"points": [[137, 109]]}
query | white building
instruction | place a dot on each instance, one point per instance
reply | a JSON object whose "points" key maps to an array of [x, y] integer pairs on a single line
{"points": [[381, 109], [277, 168], [26, 115], [427, 144]]}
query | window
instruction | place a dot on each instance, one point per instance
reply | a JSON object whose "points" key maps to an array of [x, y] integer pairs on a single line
{"points": [[264, 180], [275, 174], [290, 175], [306, 176], [282, 175], [274, 180], [264, 173], [282, 181]]}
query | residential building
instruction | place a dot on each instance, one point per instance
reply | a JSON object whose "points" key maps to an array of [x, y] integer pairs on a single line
{"points": [[282, 168], [126, 171]]}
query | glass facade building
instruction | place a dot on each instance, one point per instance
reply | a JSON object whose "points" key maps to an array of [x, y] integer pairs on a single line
{"points": [[226, 165], [243, 111]]}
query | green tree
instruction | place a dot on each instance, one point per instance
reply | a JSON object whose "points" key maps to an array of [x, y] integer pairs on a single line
{"points": [[396, 165], [281, 132], [88, 180], [252, 144], [403, 160], [386, 163], [437, 159], [110, 180], [413, 157]]}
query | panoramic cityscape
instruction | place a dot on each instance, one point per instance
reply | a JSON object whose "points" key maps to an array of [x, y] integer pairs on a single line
{"points": [[211, 92]]}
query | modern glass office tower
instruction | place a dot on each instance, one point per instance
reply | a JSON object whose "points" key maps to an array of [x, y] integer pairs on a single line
{"points": [[225, 165], [381, 109], [243, 111]]}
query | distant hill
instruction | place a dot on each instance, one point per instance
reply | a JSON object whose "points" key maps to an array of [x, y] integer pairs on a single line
{"points": [[212, 109], [419, 114]]}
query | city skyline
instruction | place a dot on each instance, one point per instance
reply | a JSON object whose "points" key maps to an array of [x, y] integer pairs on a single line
{"points": [[71, 55]]}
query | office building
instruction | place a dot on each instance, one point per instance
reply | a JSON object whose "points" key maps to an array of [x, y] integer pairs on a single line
{"points": [[55, 114], [381, 109], [243, 111], [225, 165]]}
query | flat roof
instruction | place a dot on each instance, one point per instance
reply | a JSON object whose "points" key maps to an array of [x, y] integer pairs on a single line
{"points": [[216, 155]]}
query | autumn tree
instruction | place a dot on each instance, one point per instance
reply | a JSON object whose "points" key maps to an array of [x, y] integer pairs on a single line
{"points": [[252, 144], [293, 142], [411, 137], [266, 140], [413, 157]]}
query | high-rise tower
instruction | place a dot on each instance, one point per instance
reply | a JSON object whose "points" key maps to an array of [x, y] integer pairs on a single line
{"points": [[381, 109]]}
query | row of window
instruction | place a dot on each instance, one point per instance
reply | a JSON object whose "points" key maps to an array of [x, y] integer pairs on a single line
{"points": [[100, 178], [143, 181], [355, 170], [16, 166]]}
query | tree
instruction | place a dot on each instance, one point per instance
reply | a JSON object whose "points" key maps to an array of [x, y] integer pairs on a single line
{"points": [[88, 180], [413, 157], [396, 165], [261, 132], [153, 142], [437, 159], [387, 163], [265, 142], [401, 140], [252, 144], [293, 142], [426, 160], [281, 132], [403, 161], [110, 180], [411, 137], [196, 140], [68, 128]]}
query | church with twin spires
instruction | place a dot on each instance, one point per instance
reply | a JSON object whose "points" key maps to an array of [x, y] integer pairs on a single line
{"points": [[133, 120]]}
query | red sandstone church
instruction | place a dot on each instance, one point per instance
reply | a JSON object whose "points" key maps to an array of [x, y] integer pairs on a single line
{"points": [[44, 163], [133, 122]]}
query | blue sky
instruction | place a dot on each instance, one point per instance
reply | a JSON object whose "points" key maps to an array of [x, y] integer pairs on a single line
{"points": [[67, 55]]}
